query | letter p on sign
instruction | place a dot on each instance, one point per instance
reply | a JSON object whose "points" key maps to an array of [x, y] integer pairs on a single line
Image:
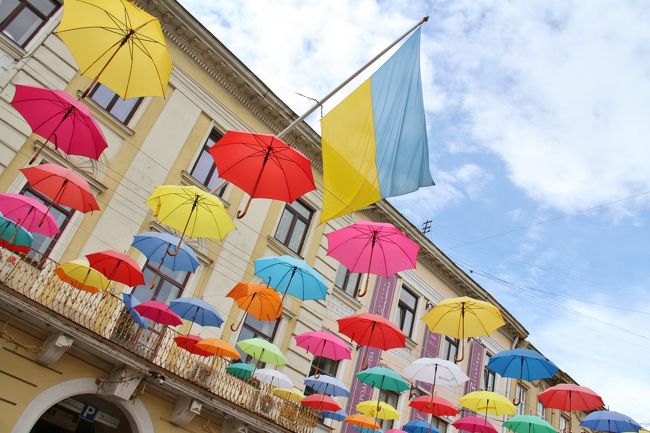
{"points": [[88, 413]]}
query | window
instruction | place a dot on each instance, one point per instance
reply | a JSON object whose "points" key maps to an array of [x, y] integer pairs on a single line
{"points": [[489, 377], [391, 398], [252, 328], [521, 397], [541, 410], [167, 284], [204, 170], [441, 424], [122, 109], [406, 307], [564, 422], [347, 281], [294, 222], [451, 348], [322, 366], [20, 20]]}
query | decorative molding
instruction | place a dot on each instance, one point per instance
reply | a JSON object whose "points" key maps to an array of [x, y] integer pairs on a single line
{"points": [[11, 48]]}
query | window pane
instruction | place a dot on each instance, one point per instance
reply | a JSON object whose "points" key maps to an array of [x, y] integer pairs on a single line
{"points": [[123, 108], [7, 7], [352, 283], [202, 168], [46, 7], [408, 298], [214, 181], [283, 227], [21, 28], [297, 236], [41, 243], [301, 209]]}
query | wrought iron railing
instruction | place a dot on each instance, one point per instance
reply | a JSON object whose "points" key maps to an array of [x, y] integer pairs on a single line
{"points": [[104, 315]]}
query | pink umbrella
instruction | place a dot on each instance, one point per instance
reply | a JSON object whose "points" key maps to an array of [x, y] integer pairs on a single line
{"points": [[60, 119], [394, 430], [474, 424], [325, 344], [158, 312], [373, 248], [28, 213]]}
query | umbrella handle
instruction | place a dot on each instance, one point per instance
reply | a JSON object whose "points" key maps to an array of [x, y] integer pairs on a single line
{"points": [[365, 288], [462, 353], [174, 252], [516, 401], [242, 213]]}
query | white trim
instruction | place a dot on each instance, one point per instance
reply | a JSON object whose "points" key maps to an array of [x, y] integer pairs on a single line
{"points": [[135, 411]]}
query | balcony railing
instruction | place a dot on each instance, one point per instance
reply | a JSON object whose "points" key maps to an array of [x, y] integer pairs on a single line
{"points": [[104, 315]]}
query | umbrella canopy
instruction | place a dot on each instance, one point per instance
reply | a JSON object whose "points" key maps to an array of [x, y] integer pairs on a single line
{"points": [[262, 165], [291, 276], [14, 236], [321, 402], [361, 420], [474, 424], [289, 394], [570, 397], [273, 378], [80, 275], [324, 344], [366, 430], [487, 402], [117, 44], [241, 370], [383, 378], [131, 301], [158, 312], [196, 310], [327, 385], [258, 300], [419, 426], [262, 350], [339, 415], [117, 267], [154, 246], [61, 120], [28, 213], [218, 347], [522, 364], [372, 330], [377, 409], [189, 343], [435, 371], [529, 424], [395, 430], [434, 405], [610, 421]]}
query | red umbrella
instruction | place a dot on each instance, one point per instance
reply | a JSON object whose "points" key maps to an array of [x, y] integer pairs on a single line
{"points": [[117, 267], [372, 330], [474, 424], [434, 405], [570, 397], [321, 402], [28, 213], [262, 165], [188, 342], [60, 119], [62, 185], [158, 312]]}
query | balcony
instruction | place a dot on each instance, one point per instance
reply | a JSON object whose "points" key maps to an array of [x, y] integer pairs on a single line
{"points": [[104, 318]]}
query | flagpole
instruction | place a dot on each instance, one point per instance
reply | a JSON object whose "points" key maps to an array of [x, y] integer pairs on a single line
{"points": [[350, 78]]}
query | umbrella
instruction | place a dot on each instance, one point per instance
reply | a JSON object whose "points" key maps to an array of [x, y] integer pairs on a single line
{"points": [[570, 397], [218, 347], [488, 402], [377, 409], [321, 402], [474, 424], [610, 421], [241, 370], [154, 246], [80, 275], [365, 430], [324, 344], [361, 420], [372, 330], [189, 209], [529, 424], [158, 312], [339, 415], [328, 385], [189, 343], [435, 370], [131, 301], [433, 405], [196, 310], [262, 165], [61, 120], [262, 350], [419, 426], [118, 44], [383, 378], [14, 237], [258, 300], [395, 430], [522, 364], [289, 394], [273, 378], [463, 317], [28, 213], [373, 248], [117, 267]]}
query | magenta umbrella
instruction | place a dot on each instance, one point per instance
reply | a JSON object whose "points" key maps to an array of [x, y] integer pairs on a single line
{"points": [[61, 120], [158, 312], [28, 213], [372, 248], [474, 424], [324, 345]]}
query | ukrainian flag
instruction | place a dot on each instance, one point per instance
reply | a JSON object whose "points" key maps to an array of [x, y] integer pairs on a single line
{"points": [[374, 142]]}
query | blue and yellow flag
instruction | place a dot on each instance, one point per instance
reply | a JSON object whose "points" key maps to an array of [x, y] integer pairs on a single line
{"points": [[374, 142]]}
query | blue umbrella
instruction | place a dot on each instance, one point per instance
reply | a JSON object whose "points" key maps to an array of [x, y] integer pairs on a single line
{"points": [[419, 426], [291, 276], [522, 364], [196, 310], [154, 245], [365, 429], [327, 385], [339, 415], [13, 234], [610, 421], [131, 301]]}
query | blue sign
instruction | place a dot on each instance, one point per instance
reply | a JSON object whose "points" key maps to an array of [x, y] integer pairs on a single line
{"points": [[88, 413]]}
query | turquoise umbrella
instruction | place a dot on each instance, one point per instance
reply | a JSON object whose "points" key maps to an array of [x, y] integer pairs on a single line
{"points": [[13, 235], [241, 370], [529, 424], [383, 378]]}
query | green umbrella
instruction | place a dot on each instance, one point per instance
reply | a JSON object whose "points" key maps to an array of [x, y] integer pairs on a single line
{"points": [[529, 424], [239, 369], [383, 378], [262, 350]]}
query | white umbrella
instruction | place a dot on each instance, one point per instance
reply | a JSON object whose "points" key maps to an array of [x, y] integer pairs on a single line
{"points": [[273, 378], [435, 371]]}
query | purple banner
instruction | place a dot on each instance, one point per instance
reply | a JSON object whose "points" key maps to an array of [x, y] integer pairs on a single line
{"points": [[430, 349], [382, 300], [475, 369]]}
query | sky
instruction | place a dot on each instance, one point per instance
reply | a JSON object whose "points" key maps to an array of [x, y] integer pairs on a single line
{"points": [[537, 118]]}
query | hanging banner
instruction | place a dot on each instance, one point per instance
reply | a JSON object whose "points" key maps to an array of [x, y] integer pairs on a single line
{"points": [[430, 349]]}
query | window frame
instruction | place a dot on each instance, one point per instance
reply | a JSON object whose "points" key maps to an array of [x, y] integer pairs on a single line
{"points": [[543, 411], [112, 103], [402, 306], [161, 278], [563, 419], [296, 216], [22, 5], [489, 376], [449, 343], [347, 275], [384, 395], [521, 391], [257, 333], [316, 368], [213, 137]]}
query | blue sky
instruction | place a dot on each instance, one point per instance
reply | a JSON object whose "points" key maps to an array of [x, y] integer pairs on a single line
{"points": [[538, 126]]}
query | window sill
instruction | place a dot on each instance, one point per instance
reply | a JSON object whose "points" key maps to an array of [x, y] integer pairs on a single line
{"points": [[107, 118], [12, 48], [346, 298], [280, 248], [188, 179]]}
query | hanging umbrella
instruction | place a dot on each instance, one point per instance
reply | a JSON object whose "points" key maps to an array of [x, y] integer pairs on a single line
{"points": [[487, 402], [273, 378], [474, 424], [241, 370], [28, 213], [117, 267], [373, 248], [528, 424], [131, 301], [262, 350], [263, 166], [218, 347], [61, 120], [80, 275], [371, 330], [377, 409], [118, 44], [328, 385], [610, 421], [522, 364], [189, 343], [289, 394], [366, 430], [462, 318], [197, 311], [258, 300], [192, 211], [570, 397], [158, 312], [13, 237], [383, 378], [324, 344], [339, 415], [395, 430], [419, 426], [361, 420], [434, 405], [154, 246], [435, 371], [321, 402]]}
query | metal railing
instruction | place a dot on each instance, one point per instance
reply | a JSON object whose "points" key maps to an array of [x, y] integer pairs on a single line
{"points": [[104, 315]]}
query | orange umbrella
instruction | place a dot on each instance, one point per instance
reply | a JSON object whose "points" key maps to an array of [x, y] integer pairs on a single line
{"points": [[258, 300], [218, 347], [363, 421]]}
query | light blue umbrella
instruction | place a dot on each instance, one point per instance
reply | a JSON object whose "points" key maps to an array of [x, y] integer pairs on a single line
{"points": [[419, 426], [155, 246], [131, 301], [13, 234], [291, 276], [522, 364], [339, 415], [196, 310], [610, 421], [327, 385]]}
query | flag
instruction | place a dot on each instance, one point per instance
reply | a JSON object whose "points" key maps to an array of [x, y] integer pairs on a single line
{"points": [[374, 142]]}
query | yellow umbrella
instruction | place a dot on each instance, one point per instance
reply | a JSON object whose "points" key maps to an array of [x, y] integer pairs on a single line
{"points": [[377, 409], [462, 318], [289, 394], [80, 275], [118, 44], [192, 211], [487, 402]]}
